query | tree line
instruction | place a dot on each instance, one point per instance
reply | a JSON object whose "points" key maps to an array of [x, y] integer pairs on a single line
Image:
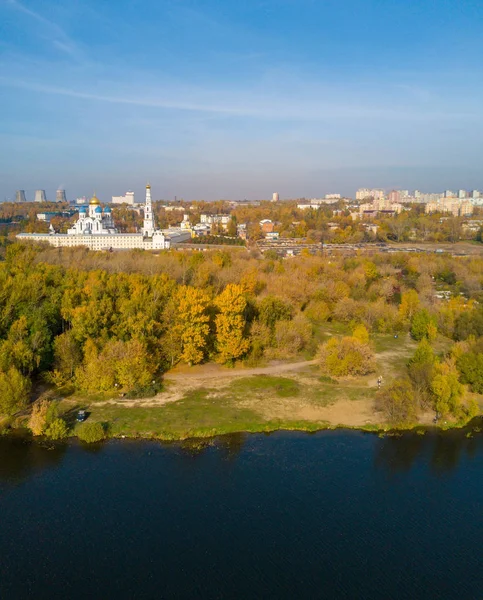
{"points": [[101, 322]]}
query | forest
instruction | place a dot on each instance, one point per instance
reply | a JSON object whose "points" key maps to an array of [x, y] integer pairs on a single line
{"points": [[109, 323]]}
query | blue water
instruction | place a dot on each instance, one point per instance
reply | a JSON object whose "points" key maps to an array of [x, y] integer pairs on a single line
{"points": [[330, 515]]}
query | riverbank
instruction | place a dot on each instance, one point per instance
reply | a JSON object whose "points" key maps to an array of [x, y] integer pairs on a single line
{"points": [[210, 400]]}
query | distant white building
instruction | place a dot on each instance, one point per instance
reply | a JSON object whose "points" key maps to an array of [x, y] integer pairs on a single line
{"points": [[363, 193], [95, 230], [275, 197], [455, 206], [128, 198], [222, 220]]}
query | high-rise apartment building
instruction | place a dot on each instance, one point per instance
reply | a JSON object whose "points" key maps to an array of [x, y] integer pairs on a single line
{"points": [[275, 197], [40, 196], [128, 198], [363, 193], [455, 206], [461, 194], [20, 196]]}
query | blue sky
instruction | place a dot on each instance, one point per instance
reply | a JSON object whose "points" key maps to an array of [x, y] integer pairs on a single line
{"points": [[222, 99]]}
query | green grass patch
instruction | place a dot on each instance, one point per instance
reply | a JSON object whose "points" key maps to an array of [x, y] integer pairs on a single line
{"points": [[282, 386]]}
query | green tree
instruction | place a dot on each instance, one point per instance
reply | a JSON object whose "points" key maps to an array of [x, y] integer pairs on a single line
{"points": [[423, 326], [470, 366], [421, 371], [272, 309]]}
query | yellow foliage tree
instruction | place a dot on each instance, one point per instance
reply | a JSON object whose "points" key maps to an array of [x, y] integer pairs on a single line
{"points": [[409, 305], [360, 333], [193, 323], [230, 324], [38, 419]]}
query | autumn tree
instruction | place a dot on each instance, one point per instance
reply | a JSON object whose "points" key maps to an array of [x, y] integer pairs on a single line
{"points": [[231, 343], [346, 356], [14, 391], [125, 365], [38, 418], [398, 403], [193, 323], [447, 390], [409, 305]]}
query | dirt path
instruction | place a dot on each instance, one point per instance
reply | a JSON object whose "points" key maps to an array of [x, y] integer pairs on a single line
{"points": [[211, 371]]}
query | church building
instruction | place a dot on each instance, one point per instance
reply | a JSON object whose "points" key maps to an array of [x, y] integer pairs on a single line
{"points": [[95, 229]]}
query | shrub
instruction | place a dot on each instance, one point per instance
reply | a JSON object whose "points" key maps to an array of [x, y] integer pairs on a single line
{"points": [[347, 356], [90, 432], [57, 429]]}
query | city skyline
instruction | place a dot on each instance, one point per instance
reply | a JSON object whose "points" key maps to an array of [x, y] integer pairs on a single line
{"points": [[226, 101]]}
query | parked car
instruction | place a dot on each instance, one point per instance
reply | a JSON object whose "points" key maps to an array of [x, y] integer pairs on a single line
{"points": [[81, 416]]}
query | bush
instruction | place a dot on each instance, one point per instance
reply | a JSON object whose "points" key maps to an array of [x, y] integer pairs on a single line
{"points": [[90, 432], [347, 356], [57, 429]]}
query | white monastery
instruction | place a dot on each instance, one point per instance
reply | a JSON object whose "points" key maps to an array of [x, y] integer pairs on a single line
{"points": [[95, 229]]}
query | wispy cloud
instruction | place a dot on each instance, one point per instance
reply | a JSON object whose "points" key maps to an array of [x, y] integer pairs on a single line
{"points": [[56, 34], [251, 104]]}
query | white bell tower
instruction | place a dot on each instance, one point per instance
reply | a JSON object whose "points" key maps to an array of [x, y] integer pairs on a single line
{"points": [[148, 226]]}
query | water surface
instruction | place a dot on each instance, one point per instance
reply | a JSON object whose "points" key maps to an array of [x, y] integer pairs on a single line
{"points": [[290, 515]]}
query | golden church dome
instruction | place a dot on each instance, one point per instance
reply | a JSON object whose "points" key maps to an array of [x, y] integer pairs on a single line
{"points": [[94, 200], [148, 186]]}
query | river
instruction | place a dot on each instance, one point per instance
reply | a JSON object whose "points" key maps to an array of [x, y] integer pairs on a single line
{"points": [[288, 515]]}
